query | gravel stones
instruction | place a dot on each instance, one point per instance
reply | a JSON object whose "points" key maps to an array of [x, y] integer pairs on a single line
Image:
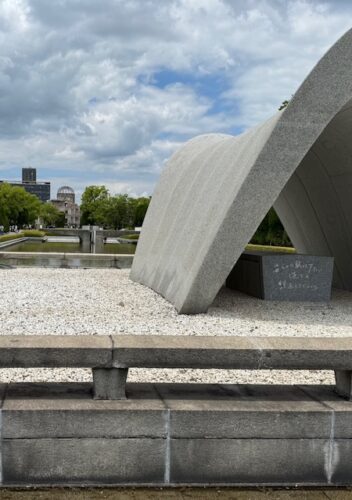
{"points": [[38, 301]]}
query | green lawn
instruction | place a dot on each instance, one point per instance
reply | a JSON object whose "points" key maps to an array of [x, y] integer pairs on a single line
{"points": [[268, 248], [25, 233], [8, 237], [131, 237]]}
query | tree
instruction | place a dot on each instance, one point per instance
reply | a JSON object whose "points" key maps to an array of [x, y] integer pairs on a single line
{"points": [[284, 104], [61, 220], [93, 202], [271, 231], [5, 205], [119, 212], [17, 207], [50, 215], [141, 207]]}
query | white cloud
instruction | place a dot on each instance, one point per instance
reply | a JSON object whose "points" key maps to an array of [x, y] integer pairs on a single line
{"points": [[79, 94]]}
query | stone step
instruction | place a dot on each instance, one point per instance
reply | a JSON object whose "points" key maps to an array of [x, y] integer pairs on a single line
{"points": [[175, 434]]}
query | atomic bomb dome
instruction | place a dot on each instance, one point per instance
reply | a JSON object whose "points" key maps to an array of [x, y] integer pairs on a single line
{"points": [[66, 193], [65, 202]]}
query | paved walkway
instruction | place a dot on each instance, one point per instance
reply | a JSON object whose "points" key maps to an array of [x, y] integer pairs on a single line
{"points": [[175, 494]]}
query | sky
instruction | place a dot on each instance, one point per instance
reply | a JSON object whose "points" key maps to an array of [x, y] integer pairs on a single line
{"points": [[104, 92]]}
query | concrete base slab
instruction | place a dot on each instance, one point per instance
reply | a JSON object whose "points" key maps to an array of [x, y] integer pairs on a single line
{"points": [[175, 434]]}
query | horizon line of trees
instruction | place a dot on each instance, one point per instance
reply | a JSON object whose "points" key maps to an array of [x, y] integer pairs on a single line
{"points": [[119, 211], [18, 208], [22, 209]]}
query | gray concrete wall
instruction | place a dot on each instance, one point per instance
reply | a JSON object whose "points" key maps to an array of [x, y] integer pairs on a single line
{"points": [[315, 206], [83, 234], [216, 190], [66, 260], [165, 434], [10, 243]]}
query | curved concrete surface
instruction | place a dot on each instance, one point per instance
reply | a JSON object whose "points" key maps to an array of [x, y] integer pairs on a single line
{"points": [[216, 190]]}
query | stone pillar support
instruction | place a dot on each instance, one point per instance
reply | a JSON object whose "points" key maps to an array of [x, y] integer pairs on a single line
{"points": [[344, 383], [99, 242], [85, 241], [109, 383]]}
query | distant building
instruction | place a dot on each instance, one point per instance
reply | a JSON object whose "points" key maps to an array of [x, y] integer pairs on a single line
{"points": [[30, 184], [40, 189], [65, 202], [29, 174], [66, 193]]}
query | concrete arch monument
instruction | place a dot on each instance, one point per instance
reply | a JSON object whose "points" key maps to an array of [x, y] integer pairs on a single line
{"points": [[216, 189]]}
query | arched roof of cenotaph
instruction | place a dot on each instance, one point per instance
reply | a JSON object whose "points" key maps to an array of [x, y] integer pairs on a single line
{"points": [[217, 188]]}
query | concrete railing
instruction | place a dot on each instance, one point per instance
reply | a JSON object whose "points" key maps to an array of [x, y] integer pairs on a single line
{"points": [[168, 434], [15, 241], [84, 236], [110, 357], [66, 260]]}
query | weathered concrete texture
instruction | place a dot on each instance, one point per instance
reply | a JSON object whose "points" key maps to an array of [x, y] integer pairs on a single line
{"points": [[55, 351], [67, 260], [222, 186], [84, 236], [109, 383], [293, 414], [56, 434], [290, 353], [110, 357], [67, 411], [248, 461], [315, 205], [344, 383], [172, 434], [83, 461]]}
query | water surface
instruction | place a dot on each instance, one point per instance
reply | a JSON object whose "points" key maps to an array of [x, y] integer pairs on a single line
{"points": [[60, 247]]}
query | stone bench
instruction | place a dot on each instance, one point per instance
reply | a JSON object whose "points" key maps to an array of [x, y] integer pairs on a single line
{"points": [[110, 357]]}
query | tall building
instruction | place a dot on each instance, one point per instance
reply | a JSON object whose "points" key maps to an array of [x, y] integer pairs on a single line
{"points": [[65, 202], [29, 174], [40, 189], [30, 184]]}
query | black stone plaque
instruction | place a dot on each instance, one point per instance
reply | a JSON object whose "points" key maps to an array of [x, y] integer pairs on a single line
{"points": [[281, 276]]}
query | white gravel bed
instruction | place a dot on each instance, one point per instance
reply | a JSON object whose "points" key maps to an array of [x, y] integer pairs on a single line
{"points": [[35, 301]]}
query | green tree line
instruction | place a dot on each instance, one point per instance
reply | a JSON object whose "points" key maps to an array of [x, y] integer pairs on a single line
{"points": [[22, 209], [271, 232], [118, 211], [121, 211]]}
